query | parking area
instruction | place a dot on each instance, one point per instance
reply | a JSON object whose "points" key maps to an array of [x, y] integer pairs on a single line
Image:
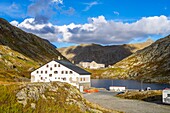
{"points": [[107, 99]]}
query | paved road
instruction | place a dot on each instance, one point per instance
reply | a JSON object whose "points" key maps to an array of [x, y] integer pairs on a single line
{"points": [[108, 100]]}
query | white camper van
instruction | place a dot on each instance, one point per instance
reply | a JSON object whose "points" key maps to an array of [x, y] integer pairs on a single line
{"points": [[166, 96]]}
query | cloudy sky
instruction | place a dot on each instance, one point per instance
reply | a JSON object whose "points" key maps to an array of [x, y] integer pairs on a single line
{"points": [[69, 22]]}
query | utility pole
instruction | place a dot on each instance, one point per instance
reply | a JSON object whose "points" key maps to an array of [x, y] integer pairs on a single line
{"points": [[141, 85]]}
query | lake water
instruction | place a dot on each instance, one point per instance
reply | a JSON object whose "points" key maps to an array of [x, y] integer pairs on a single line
{"points": [[129, 84]]}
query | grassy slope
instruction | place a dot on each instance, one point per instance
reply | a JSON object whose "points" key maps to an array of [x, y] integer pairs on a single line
{"points": [[96, 73], [153, 95], [9, 104], [14, 65], [22, 52]]}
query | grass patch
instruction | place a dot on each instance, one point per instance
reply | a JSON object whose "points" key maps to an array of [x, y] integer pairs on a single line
{"points": [[96, 73], [152, 95]]}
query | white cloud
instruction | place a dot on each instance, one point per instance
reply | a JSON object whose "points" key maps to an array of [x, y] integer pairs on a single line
{"points": [[13, 6], [99, 30], [165, 8], [116, 13], [89, 5], [58, 1], [13, 10], [14, 23]]}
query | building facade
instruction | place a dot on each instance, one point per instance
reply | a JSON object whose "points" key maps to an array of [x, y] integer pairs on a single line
{"points": [[91, 65], [166, 96], [63, 71]]}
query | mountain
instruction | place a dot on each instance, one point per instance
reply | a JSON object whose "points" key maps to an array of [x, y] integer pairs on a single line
{"points": [[102, 54], [21, 52], [151, 64]]}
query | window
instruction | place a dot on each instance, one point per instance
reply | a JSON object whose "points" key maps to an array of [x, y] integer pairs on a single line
{"points": [[37, 72], [55, 65], [39, 75], [45, 77], [58, 65], [62, 72], [51, 68], [168, 95], [71, 72], [55, 72], [64, 78], [84, 79], [45, 72], [47, 66], [66, 72], [41, 78], [58, 77], [41, 72], [50, 75], [81, 79], [55, 77]]}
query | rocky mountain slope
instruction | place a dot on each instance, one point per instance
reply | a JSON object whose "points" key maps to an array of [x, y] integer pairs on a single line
{"points": [[151, 64], [102, 54], [54, 97], [21, 52]]}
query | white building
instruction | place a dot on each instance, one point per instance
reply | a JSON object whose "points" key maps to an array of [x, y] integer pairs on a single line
{"points": [[91, 65], [117, 88], [166, 96], [63, 71]]}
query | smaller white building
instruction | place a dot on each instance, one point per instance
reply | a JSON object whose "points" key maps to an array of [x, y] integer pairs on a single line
{"points": [[63, 71], [91, 65], [117, 88], [166, 96]]}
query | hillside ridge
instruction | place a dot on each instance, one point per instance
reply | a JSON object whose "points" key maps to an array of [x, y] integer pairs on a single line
{"points": [[107, 55], [151, 64], [22, 52]]}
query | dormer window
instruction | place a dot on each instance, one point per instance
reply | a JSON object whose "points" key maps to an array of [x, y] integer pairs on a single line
{"points": [[37, 72], [47, 66]]}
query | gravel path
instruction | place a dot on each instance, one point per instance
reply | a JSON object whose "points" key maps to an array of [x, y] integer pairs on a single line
{"points": [[108, 100]]}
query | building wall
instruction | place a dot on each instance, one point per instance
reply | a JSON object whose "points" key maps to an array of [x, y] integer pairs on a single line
{"points": [[92, 65], [53, 71], [85, 85], [166, 96]]}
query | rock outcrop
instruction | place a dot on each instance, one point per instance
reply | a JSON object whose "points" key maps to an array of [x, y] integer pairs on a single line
{"points": [[57, 94]]}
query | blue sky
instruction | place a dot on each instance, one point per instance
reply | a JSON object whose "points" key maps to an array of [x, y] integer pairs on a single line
{"points": [[70, 22]]}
